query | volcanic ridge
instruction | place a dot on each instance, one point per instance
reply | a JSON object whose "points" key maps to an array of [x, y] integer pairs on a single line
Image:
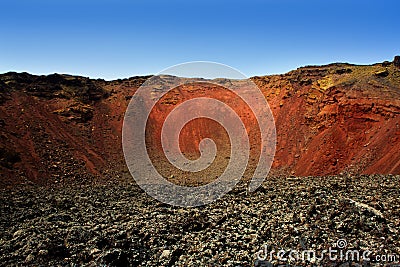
{"points": [[338, 118]]}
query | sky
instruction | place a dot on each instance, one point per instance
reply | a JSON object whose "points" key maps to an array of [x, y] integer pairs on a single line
{"points": [[118, 39]]}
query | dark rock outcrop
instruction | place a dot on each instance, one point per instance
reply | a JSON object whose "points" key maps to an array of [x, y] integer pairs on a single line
{"points": [[8, 157], [396, 61]]}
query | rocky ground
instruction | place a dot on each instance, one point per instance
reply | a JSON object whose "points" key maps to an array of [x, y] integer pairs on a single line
{"points": [[120, 225]]}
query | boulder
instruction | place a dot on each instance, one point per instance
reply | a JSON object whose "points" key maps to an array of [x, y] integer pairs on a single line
{"points": [[76, 112], [396, 61], [382, 73]]}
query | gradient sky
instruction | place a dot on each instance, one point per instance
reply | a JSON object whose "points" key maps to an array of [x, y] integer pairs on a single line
{"points": [[117, 39]]}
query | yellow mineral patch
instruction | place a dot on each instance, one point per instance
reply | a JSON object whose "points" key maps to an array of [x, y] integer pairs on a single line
{"points": [[325, 83]]}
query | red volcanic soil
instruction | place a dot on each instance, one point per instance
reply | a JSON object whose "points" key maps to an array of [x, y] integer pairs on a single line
{"points": [[337, 118], [329, 119]]}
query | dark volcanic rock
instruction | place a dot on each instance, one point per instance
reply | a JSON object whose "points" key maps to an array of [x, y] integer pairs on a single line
{"points": [[8, 157], [66, 86], [382, 73], [396, 61], [119, 225], [54, 85], [17, 80], [4, 92], [76, 112]]}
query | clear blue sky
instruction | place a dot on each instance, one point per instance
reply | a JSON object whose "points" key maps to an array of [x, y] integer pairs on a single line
{"points": [[114, 38]]}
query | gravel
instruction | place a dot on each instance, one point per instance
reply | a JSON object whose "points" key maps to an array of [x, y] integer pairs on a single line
{"points": [[120, 225]]}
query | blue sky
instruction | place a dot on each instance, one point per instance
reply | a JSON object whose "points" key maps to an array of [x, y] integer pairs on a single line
{"points": [[117, 39]]}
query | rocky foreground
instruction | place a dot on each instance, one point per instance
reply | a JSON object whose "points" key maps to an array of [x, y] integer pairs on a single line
{"points": [[119, 225]]}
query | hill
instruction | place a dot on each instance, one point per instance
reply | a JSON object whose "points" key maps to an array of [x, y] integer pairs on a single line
{"points": [[330, 119]]}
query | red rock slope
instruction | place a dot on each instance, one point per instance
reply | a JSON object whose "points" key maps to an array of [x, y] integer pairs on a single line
{"points": [[329, 119]]}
